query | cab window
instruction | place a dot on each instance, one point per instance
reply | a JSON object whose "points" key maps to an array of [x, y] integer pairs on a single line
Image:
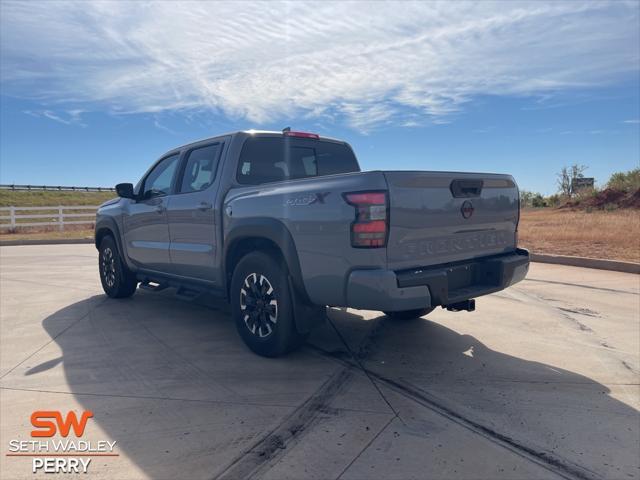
{"points": [[272, 159], [200, 168], [159, 180]]}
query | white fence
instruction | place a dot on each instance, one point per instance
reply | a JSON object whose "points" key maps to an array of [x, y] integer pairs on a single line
{"points": [[46, 216]]}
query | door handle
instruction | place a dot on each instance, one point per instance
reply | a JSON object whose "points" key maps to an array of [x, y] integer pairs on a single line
{"points": [[160, 208], [204, 206]]}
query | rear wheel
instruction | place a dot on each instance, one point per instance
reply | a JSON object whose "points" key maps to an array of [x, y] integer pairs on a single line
{"points": [[409, 314], [261, 306], [117, 281]]}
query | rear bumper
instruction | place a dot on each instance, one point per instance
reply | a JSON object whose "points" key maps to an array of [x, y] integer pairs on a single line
{"points": [[387, 290]]}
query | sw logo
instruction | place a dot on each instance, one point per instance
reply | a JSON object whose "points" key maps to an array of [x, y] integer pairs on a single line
{"points": [[45, 427], [57, 456]]}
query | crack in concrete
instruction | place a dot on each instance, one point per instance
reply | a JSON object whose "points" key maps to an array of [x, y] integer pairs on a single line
{"points": [[604, 289], [269, 447], [558, 465]]}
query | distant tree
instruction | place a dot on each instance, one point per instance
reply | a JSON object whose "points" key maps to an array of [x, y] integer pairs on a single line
{"points": [[532, 199], [553, 200], [566, 177], [625, 181], [564, 183], [538, 201], [526, 198]]}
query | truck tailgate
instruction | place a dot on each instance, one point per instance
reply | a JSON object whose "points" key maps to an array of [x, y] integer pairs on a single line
{"points": [[443, 217]]}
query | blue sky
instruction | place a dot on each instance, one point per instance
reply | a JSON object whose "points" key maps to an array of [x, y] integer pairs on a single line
{"points": [[92, 93]]}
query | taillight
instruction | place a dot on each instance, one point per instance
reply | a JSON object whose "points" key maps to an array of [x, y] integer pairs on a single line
{"points": [[369, 230]]}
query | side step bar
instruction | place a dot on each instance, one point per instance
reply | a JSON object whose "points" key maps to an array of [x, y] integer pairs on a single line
{"points": [[183, 292], [152, 286], [188, 293]]}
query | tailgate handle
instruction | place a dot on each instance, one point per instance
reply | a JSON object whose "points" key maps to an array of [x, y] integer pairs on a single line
{"points": [[466, 188]]}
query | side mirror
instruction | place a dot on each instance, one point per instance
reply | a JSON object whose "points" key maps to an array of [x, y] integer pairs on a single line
{"points": [[125, 190]]}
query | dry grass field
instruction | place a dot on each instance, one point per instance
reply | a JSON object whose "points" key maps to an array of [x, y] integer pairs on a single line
{"points": [[39, 198], [613, 235]]}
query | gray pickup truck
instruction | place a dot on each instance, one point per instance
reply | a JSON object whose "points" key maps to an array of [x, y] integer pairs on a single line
{"points": [[282, 224]]}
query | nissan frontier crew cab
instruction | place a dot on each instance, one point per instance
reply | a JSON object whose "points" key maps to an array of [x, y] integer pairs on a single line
{"points": [[282, 224]]}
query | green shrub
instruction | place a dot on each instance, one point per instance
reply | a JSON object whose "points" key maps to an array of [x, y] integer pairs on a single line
{"points": [[525, 198], [553, 200], [625, 181], [538, 201]]}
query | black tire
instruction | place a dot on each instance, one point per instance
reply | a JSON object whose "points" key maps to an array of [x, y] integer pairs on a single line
{"points": [[409, 314], [117, 281], [262, 307]]}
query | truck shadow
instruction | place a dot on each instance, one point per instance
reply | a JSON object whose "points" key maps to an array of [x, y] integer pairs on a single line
{"points": [[174, 385]]}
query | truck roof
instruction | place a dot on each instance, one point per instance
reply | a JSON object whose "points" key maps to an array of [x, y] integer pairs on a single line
{"points": [[248, 132]]}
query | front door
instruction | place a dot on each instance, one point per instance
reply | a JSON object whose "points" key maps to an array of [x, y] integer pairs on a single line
{"points": [[192, 215], [146, 230]]}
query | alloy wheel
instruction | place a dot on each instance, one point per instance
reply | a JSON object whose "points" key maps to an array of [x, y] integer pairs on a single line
{"points": [[108, 267], [258, 305]]}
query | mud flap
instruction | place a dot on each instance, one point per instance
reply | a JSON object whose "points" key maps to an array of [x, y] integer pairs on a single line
{"points": [[307, 316]]}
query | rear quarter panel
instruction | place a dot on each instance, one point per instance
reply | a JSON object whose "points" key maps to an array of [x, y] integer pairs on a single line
{"points": [[319, 220]]}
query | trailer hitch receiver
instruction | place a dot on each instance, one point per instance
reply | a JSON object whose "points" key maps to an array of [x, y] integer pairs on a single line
{"points": [[466, 305]]}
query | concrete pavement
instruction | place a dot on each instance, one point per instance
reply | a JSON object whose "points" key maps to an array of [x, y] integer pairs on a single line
{"points": [[542, 381]]}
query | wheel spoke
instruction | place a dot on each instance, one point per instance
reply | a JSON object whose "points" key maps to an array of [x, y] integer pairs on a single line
{"points": [[108, 267], [258, 302]]}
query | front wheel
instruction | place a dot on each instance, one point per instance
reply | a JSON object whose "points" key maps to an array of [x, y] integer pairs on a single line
{"points": [[117, 281], [409, 314], [262, 306]]}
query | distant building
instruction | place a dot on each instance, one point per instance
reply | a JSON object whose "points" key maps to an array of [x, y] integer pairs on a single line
{"points": [[578, 184]]}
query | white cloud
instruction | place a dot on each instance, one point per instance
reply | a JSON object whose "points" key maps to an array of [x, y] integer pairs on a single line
{"points": [[364, 64], [632, 121], [73, 117]]}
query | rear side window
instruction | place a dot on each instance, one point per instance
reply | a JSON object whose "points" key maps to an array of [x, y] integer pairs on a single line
{"points": [[200, 168], [271, 159]]}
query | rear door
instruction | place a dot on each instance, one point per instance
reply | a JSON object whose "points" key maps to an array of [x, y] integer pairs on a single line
{"points": [[146, 231], [443, 217], [192, 214]]}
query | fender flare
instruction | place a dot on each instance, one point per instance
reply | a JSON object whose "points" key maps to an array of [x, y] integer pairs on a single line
{"points": [[110, 224], [306, 315], [274, 231]]}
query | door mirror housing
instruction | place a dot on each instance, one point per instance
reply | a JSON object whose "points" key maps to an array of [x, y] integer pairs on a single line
{"points": [[125, 190]]}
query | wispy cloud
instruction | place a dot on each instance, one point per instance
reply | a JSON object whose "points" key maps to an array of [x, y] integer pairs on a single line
{"points": [[164, 128], [70, 117], [363, 64], [632, 121]]}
